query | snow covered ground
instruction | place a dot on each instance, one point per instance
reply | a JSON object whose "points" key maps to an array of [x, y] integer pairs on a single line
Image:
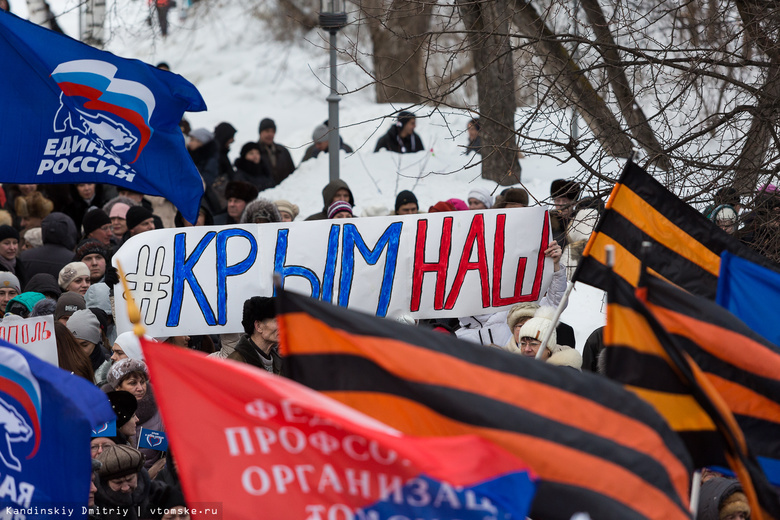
{"points": [[245, 75]]}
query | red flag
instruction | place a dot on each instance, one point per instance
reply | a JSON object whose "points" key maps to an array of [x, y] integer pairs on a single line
{"points": [[258, 444]]}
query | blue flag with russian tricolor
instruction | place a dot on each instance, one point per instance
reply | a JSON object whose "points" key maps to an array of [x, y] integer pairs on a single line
{"points": [[46, 416], [73, 113]]}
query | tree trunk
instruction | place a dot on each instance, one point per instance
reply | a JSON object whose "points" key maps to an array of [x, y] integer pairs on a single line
{"points": [[487, 25], [569, 81], [93, 15], [398, 32], [632, 112], [40, 13]]}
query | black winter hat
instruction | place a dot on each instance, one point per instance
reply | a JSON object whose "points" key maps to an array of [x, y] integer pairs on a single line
{"points": [[7, 231], [240, 190], [257, 308], [248, 146], [267, 123], [44, 283], [90, 246], [124, 404], [405, 197], [404, 117], [223, 133], [93, 220], [563, 188], [136, 215]]}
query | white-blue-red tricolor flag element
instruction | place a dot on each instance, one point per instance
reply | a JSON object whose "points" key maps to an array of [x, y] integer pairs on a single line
{"points": [[46, 416], [73, 113], [290, 452]]}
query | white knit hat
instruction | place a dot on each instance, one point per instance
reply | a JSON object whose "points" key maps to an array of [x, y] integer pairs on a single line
{"points": [[537, 326], [482, 195]]}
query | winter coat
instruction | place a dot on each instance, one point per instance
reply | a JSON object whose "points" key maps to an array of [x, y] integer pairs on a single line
{"points": [[313, 151], [712, 494], [206, 159], [148, 418], [247, 352], [119, 506], [77, 207], [223, 133], [328, 192], [493, 328], [395, 143], [254, 173], [59, 238], [276, 160]]}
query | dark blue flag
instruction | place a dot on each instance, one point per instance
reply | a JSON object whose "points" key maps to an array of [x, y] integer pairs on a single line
{"points": [[72, 113], [153, 440], [751, 293], [46, 415], [106, 429]]}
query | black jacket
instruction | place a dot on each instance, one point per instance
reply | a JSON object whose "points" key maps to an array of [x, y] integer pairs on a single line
{"points": [[395, 143], [247, 352], [59, 238], [256, 174], [277, 160], [312, 151]]}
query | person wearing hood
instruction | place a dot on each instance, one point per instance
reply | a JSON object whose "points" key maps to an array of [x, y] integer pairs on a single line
{"points": [[722, 499], [250, 168], [275, 157], [260, 211], [401, 138], [23, 304], [224, 135], [332, 192], [532, 334], [59, 238]]}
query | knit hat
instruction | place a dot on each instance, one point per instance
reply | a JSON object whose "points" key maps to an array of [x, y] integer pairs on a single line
{"points": [[70, 272], [458, 204], [441, 207], [44, 283], [119, 460], [7, 231], [339, 206], [320, 134], [724, 212], [69, 303], [241, 190], [130, 344], [405, 197], [119, 209], [90, 246], [516, 195], [287, 207], [481, 195], [124, 404], [136, 215], [98, 296], [537, 326], [260, 211], [267, 123], [563, 188], [34, 237], [404, 117], [22, 305], [9, 281], [249, 146], [202, 135], [123, 368], [224, 132], [257, 308], [83, 324], [520, 310], [93, 220]]}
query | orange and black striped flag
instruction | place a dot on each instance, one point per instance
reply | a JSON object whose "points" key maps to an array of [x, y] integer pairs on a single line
{"points": [[662, 344], [595, 446], [685, 246]]}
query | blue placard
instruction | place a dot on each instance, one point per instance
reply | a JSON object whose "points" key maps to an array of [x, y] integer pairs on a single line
{"points": [[152, 440], [106, 429]]}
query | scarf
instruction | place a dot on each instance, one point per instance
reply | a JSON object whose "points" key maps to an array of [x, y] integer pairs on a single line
{"points": [[8, 264]]}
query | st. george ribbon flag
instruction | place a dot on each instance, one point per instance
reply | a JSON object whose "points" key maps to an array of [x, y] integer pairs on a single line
{"points": [[79, 114], [46, 415], [271, 448]]}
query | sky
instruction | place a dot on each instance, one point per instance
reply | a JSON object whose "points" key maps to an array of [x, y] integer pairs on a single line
{"points": [[244, 73]]}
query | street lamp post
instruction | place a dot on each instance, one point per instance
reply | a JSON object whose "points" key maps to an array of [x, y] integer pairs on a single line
{"points": [[333, 16]]}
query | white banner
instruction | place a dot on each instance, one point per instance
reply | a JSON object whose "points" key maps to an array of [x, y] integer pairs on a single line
{"points": [[35, 335], [195, 280]]}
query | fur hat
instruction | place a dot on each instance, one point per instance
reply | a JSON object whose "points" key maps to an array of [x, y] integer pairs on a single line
{"points": [[266, 124], [70, 272], [9, 281], [8, 232], [119, 209], [34, 205], [123, 368], [441, 207], [93, 220], [83, 324], [34, 237], [91, 246], [248, 146], [458, 204], [202, 135], [44, 307], [338, 207], [287, 207], [257, 308], [537, 326], [737, 502], [481, 195], [124, 404], [520, 310], [563, 188], [405, 197], [241, 190], [404, 117], [69, 303], [136, 215], [320, 134], [516, 195], [119, 460], [260, 211]]}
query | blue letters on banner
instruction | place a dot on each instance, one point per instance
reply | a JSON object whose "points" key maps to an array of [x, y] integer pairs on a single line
{"points": [[152, 440], [80, 114]]}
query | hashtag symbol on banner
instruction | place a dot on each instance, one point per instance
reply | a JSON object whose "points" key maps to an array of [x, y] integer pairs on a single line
{"points": [[147, 287]]}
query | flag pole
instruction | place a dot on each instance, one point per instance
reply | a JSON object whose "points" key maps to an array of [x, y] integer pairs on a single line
{"points": [[556, 317], [695, 492], [133, 312]]}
